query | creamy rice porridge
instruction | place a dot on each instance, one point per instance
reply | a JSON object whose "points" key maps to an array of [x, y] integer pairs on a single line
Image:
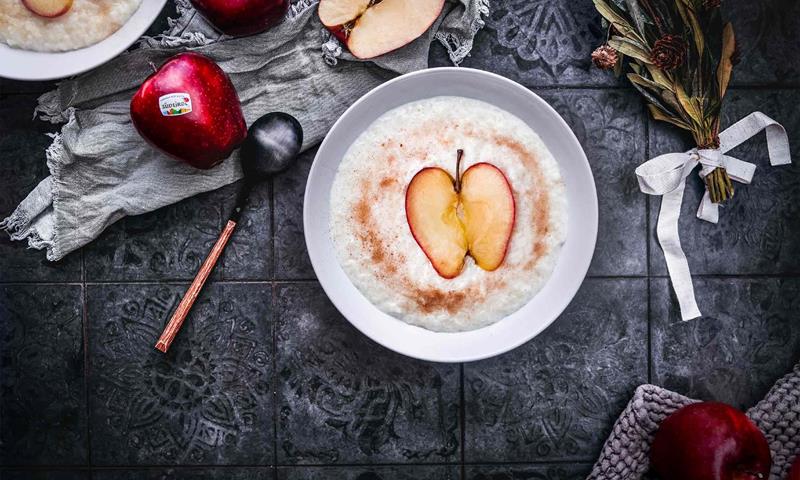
{"points": [[85, 23], [371, 233]]}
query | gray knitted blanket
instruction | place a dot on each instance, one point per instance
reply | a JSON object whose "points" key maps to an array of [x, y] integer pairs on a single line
{"points": [[626, 453]]}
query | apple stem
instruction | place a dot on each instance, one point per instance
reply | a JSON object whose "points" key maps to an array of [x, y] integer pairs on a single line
{"points": [[458, 170], [153, 66]]}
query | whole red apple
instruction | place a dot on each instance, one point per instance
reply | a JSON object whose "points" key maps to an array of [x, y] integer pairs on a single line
{"points": [[189, 109], [710, 441], [794, 472], [242, 17]]}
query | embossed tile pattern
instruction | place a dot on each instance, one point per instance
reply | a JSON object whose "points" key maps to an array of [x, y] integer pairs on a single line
{"points": [[556, 397], [746, 341], [610, 126], [414, 472], [541, 43], [528, 472], [767, 33], [343, 398], [167, 244], [44, 475], [205, 473], [757, 230], [248, 255], [207, 401], [291, 256], [42, 403]]}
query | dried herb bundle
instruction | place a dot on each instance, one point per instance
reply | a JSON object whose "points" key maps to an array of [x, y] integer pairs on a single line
{"points": [[681, 58]]}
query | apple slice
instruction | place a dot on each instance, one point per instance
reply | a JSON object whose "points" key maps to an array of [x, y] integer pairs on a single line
{"points": [[473, 213], [431, 203], [48, 8], [371, 28], [489, 212]]}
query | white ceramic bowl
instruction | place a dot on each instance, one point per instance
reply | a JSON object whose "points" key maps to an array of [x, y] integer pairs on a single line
{"points": [[573, 262], [19, 64]]}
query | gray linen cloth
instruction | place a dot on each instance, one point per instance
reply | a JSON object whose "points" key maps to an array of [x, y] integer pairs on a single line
{"points": [[101, 170], [626, 453]]}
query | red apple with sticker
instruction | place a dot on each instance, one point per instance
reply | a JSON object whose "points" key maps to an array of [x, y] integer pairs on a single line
{"points": [[710, 441], [242, 17], [189, 109]]}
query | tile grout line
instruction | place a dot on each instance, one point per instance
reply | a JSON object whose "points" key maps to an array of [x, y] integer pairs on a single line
{"points": [[85, 331], [583, 461], [649, 336], [274, 380], [463, 421]]}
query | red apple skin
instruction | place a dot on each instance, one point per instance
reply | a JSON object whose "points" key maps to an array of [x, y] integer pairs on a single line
{"points": [[710, 441], [242, 17], [794, 472], [206, 135]]}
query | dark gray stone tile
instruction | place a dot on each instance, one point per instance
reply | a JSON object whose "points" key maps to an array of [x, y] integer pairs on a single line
{"points": [[205, 473], [768, 41], [746, 341], [529, 472], [409, 472], [249, 252], [610, 126], [343, 398], [757, 230], [44, 475], [541, 43], [207, 401], [291, 256], [42, 401], [556, 397], [167, 244], [23, 142]]}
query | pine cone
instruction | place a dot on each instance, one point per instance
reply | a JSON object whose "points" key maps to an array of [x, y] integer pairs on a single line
{"points": [[669, 52], [605, 57]]}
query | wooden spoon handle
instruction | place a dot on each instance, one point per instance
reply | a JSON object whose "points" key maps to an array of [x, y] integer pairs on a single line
{"points": [[194, 289]]}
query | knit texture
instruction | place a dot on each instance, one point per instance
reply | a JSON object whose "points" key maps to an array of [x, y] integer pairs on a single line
{"points": [[626, 453]]}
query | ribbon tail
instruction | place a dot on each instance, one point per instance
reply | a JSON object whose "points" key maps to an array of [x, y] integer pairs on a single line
{"points": [[677, 265]]}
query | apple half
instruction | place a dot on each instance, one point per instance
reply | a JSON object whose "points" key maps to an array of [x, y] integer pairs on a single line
{"points": [[371, 28], [471, 214], [48, 8]]}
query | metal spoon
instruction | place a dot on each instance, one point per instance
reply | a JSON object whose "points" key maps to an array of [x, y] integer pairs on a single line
{"points": [[272, 144]]}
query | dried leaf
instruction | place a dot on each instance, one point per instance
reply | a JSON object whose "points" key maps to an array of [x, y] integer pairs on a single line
{"points": [[659, 115], [686, 104], [659, 76], [635, 11], [671, 100], [630, 50], [645, 82], [617, 20], [725, 64]]}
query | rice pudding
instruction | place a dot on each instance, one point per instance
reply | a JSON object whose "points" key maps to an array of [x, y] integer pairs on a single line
{"points": [[370, 228], [85, 23]]}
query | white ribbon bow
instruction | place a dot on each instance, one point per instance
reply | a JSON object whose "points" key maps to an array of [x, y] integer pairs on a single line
{"points": [[666, 175]]}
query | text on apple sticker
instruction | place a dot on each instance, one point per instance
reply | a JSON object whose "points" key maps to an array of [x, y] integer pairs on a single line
{"points": [[174, 104]]}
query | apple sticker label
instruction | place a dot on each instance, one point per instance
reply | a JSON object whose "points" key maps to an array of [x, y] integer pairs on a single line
{"points": [[174, 104]]}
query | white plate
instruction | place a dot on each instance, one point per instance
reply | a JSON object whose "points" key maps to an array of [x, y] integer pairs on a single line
{"points": [[19, 64], [573, 262]]}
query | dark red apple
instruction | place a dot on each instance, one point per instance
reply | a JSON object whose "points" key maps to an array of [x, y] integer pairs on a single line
{"points": [[794, 472], [242, 17], [189, 109], [710, 441]]}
